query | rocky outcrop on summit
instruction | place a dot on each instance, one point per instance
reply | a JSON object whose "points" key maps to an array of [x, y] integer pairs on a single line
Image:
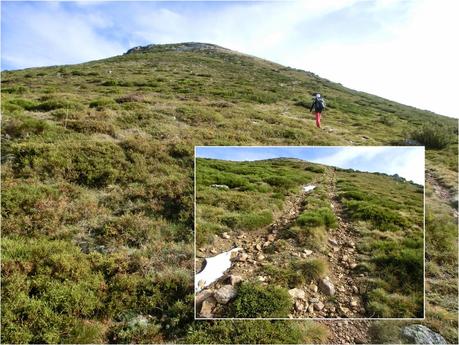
{"points": [[186, 46]]}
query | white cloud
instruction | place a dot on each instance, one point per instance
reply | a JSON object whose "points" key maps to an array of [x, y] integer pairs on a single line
{"points": [[51, 35], [407, 162]]}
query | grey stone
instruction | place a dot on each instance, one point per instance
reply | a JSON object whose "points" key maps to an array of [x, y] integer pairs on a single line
{"points": [[333, 242], [327, 287], [299, 305], [319, 305], [225, 294], [138, 321], [220, 186], [419, 334]]}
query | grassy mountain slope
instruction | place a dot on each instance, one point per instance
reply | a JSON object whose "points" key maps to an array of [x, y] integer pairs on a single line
{"points": [[97, 181]]}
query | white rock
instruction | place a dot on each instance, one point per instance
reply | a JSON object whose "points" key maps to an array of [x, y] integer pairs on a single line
{"points": [[226, 236], [297, 293]]}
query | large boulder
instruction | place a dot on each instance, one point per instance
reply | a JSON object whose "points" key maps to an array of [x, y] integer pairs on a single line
{"points": [[225, 294], [419, 334]]}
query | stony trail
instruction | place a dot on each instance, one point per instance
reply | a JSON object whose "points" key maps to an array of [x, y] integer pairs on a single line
{"points": [[442, 193], [335, 296], [342, 258]]}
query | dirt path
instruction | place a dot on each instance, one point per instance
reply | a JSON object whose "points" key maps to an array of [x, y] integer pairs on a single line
{"points": [[343, 260], [348, 331], [441, 192]]}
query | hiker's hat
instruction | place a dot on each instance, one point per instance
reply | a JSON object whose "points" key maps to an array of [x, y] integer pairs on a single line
{"points": [[317, 95]]}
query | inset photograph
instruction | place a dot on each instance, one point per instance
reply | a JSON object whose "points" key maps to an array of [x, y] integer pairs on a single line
{"points": [[309, 232]]}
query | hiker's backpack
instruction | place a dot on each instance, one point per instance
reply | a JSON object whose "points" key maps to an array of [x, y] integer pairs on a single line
{"points": [[319, 105]]}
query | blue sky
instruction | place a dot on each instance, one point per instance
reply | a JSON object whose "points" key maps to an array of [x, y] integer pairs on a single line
{"points": [[399, 49], [407, 162]]}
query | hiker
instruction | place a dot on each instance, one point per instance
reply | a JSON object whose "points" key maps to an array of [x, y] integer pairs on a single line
{"points": [[318, 105]]}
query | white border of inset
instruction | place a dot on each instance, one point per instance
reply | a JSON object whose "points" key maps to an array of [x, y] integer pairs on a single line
{"points": [[306, 318]]}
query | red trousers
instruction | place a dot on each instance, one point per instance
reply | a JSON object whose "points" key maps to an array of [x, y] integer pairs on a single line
{"points": [[318, 119]]}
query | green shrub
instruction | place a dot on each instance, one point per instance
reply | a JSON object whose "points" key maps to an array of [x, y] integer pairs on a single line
{"points": [[441, 241], [26, 104], [353, 195], [433, 136], [33, 209], [90, 163], [404, 265], [255, 300], [252, 221], [256, 332], [91, 126], [48, 288], [52, 104], [315, 169], [247, 221], [134, 230], [280, 181], [110, 83], [101, 103], [385, 332], [380, 216], [24, 126], [384, 304]]}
